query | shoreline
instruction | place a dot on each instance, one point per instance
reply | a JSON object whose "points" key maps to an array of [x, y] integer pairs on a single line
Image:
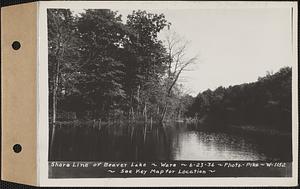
{"points": [[251, 128]]}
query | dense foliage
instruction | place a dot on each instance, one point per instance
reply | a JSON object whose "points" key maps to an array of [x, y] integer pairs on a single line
{"points": [[265, 103], [101, 67]]}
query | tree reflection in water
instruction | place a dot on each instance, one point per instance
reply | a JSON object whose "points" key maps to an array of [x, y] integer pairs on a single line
{"points": [[177, 141]]}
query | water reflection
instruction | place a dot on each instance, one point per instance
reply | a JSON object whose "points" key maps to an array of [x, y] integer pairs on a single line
{"points": [[129, 142], [194, 145]]}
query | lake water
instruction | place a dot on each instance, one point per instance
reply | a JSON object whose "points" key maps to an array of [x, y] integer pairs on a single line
{"points": [[177, 141]]}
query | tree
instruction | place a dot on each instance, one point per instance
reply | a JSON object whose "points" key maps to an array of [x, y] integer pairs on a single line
{"points": [[63, 54], [177, 63], [265, 103], [102, 68], [62, 58], [145, 59]]}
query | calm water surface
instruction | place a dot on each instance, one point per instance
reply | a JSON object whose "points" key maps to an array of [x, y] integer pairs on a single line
{"points": [[178, 141]]}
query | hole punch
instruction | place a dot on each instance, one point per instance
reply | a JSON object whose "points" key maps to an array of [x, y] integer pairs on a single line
{"points": [[17, 148], [16, 45]]}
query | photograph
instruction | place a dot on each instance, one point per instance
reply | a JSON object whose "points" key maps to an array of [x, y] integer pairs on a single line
{"points": [[156, 85]]}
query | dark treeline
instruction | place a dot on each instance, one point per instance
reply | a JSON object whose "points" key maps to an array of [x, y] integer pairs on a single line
{"points": [[266, 103], [103, 68]]}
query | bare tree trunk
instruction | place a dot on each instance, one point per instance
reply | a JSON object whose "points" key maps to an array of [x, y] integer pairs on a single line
{"points": [[138, 99], [176, 54], [132, 111], [169, 94], [54, 99], [164, 113], [145, 112], [55, 88]]}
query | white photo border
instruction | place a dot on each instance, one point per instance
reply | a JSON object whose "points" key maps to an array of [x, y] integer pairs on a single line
{"points": [[42, 91]]}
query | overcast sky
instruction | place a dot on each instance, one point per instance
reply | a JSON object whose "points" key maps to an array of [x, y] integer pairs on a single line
{"points": [[234, 46]]}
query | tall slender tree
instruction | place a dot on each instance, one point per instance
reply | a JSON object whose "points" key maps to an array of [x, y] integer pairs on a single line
{"points": [[146, 63], [62, 56], [178, 63]]}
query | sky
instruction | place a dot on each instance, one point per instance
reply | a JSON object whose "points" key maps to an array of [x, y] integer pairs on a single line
{"points": [[233, 46]]}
